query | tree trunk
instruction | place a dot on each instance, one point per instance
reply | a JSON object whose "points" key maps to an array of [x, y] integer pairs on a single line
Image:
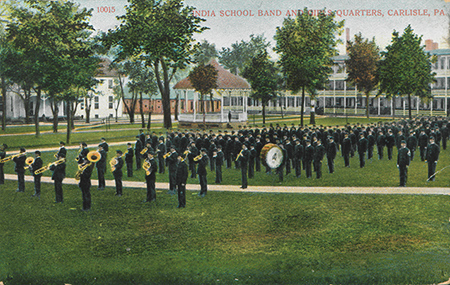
{"points": [[141, 107], [163, 86], [26, 103], [264, 112], [303, 106], [4, 103], [87, 108], [149, 120], [204, 112], [409, 106], [367, 105], [36, 111], [72, 115], [69, 129], [393, 107], [176, 107], [55, 111]]}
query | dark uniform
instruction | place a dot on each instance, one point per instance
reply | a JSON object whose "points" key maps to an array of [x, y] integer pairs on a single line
{"points": [[219, 162], [85, 186], [129, 161], [390, 143], [362, 148], [161, 152], [150, 179], [59, 173], [381, 142], [308, 158], [117, 173], [331, 155], [319, 152], [37, 177], [20, 170], [423, 143], [201, 171], [403, 160], [298, 156], [2, 173], [411, 144], [346, 149], [171, 161], [182, 175], [251, 162], [243, 162], [138, 146], [432, 158], [193, 152], [101, 166]]}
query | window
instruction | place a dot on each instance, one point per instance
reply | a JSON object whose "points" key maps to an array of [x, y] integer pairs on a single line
{"points": [[110, 83], [110, 102], [443, 63], [96, 116], [96, 104]]}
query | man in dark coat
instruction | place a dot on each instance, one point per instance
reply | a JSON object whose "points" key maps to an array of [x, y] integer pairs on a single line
{"points": [[62, 149], [403, 160], [85, 185], [101, 166], [362, 148], [20, 170], [83, 153], [298, 157], [59, 173], [201, 171], [171, 162], [411, 143], [138, 146], [243, 162], [251, 161], [346, 149], [117, 173], [370, 144], [433, 151], [193, 152], [390, 143], [308, 158], [331, 153], [381, 142], [161, 152], [423, 143], [150, 176], [219, 162], [37, 163], [182, 175], [319, 152], [129, 160]]}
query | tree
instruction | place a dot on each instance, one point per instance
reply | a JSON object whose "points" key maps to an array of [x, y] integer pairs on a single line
{"points": [[204, 52], [241, 53], [204, 79], [263, 76], [405, 68], [161, 32], [306, 45], [362, 65]]}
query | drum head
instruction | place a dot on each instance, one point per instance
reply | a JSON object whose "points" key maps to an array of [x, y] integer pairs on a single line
{"points": [[274, 157]]}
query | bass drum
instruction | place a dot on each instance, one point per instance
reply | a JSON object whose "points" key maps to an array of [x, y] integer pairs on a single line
{"points": [[271, 155]]}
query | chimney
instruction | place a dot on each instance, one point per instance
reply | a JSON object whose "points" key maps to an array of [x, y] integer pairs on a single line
{"points": [[347, 38]]}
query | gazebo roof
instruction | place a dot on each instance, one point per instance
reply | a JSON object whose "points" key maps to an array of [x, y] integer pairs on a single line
{"points": [[225, 79]]}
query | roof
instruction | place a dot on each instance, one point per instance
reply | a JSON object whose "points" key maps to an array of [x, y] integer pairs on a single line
{"points": [[104, 70], [225, 79], [439, 52], [340, 57]]}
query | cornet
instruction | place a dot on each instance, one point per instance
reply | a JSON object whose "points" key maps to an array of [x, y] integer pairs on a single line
{"points": [[47, 167]]}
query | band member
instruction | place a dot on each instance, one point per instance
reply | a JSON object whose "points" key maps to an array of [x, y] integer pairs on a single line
{"points": [[432, 158], [182, 175], [20, 170], [381, 142], [298, 157], [331, 154], [117, 173], [370, 145], [150, 176], [251, 161], [201, 170], [346, 149], [362, 148], [101, 166], [193, 152], [3, 148], [308, 158], [242, 158], [62, 149], [411, 143], [319, 152], [390, 143], [219, 162], [85, 184], [129, 160], [105, 147], [423, 142], [280, 168], [138, 146], [83, 153], [403, 160], [59, 173], [37, 163], [171, 161], [161, 152]]}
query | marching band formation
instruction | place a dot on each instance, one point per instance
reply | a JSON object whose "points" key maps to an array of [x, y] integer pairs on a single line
{"points": [[280, 149]]}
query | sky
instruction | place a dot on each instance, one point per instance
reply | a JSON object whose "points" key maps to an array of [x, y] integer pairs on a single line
{"points": [[231, 21]]}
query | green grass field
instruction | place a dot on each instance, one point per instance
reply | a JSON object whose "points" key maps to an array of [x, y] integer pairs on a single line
{"points": [[224, 238]]}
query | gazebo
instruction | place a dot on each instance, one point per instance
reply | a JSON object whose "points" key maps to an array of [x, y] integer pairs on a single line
{"points": [[232, 90]]}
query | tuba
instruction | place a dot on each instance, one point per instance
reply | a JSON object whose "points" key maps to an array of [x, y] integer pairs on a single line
{"points": [[8, 158], [47, 167], [93, 156], [29, 161], [146, 166], [113, 162]]}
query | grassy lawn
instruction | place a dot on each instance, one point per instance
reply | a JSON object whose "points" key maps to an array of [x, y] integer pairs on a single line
{"points": [[223, 238]]}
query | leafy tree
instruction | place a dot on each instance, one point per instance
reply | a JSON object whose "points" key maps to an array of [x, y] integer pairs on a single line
{"points": [[162, 32], [306, 45], [204, 52], [405, 68], [241, 53], [264, 78], [362, 65], [204, 80]]}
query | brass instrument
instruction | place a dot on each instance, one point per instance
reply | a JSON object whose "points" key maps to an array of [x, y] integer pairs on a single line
{"points": [[198, 157], [144, 150], [8, 158], [47, 167], [240, 154], [56, 155], [78, 154], [113, 162], [29, 161], [167, 155], [93, 156], [146, 166], [186, 152]]}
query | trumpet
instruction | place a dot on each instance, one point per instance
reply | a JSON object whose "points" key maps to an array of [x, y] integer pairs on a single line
{"points": [[8, 158], [186, 152], [198, 157], [29, 161], [240, 154], [47, 167], [93, 156], [144, 150], [146, 166], [113, 162], [167, 155]]}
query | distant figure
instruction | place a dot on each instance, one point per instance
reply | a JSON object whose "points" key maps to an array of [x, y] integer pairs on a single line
{"points": [[229, 116]]}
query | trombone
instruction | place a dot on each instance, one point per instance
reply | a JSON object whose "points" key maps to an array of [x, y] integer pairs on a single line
{"points": [[8, 158], [93, 156], [47, 167]]}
